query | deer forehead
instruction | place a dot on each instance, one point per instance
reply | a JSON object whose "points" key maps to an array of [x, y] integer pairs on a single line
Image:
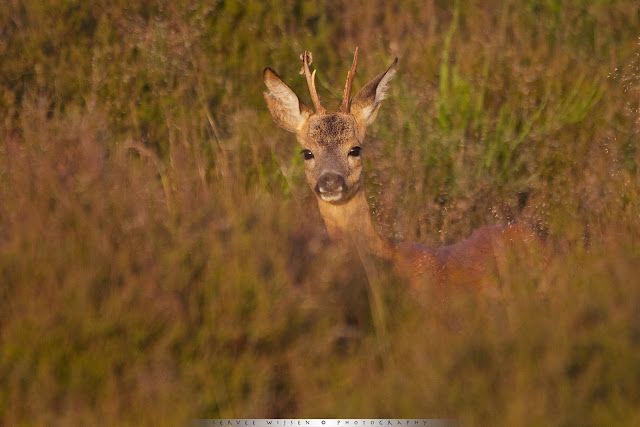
{"points": [[332, 130]]}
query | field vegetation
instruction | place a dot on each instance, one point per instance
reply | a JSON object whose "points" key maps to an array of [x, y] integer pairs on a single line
{"points": [[162, 257]]}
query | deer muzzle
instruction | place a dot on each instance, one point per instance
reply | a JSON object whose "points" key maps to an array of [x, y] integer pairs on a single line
{"points": [[331, 187]]}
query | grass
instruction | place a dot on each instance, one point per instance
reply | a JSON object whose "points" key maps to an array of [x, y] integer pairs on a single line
{"points": [[162, 258]]}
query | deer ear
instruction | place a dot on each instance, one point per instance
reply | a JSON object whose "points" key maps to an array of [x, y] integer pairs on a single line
{"points": [[285, 107], [366, 103]]}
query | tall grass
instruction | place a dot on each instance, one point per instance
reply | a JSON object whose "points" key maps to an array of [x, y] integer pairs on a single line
{"points": [[161, 257]]}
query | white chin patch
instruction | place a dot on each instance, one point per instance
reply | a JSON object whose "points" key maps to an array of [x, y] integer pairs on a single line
{"points": [[331, 197]]}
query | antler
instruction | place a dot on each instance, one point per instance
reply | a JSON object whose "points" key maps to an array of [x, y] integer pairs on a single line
{"points": [[311, 81], [346, 95]]}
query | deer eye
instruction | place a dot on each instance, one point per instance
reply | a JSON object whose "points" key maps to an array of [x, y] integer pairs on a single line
{"points": [[355, 152], [308, 155]]}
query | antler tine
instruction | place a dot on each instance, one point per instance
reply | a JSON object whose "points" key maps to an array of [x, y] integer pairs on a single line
{"points": [[346, 95], [311, 81]]}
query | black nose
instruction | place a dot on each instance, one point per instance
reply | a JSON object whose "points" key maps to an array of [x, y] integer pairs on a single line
{"points": [[330, 183]]}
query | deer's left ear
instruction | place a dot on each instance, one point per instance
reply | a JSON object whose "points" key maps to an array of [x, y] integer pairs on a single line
{"points": [[366, 104], [285, 107]]}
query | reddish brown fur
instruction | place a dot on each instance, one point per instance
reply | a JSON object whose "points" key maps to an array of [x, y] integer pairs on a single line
{"points": [[473, 263]]}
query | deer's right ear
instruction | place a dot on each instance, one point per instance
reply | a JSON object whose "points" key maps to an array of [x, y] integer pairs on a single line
{"points": [[366, 104], [285, 107]]}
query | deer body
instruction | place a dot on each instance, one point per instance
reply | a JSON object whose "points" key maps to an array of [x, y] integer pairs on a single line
{"points": [[331, 148]]}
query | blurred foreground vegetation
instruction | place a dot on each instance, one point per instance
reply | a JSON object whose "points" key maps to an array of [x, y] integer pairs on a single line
{"points": [[161, 257]]}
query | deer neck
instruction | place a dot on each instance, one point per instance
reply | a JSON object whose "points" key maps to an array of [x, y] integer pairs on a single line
{"points": [[352, 222]]}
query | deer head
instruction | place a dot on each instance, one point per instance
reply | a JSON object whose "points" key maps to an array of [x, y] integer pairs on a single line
{"points": [[331, 142]]}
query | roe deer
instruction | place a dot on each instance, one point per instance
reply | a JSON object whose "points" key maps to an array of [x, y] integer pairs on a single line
{"points": [[333, 166]]}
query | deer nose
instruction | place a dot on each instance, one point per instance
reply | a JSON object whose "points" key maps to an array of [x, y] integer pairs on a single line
{"points": [[330, 182]]}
